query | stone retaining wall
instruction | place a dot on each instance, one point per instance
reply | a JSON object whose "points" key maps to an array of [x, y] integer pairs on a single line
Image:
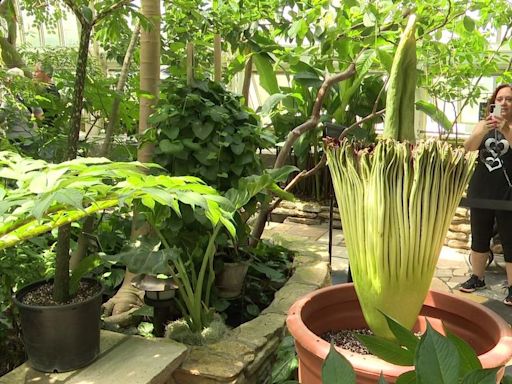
{"points": [[312, 213], [247, 354]]}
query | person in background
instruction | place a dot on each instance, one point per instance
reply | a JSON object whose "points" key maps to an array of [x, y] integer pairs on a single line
{"points": [[43, 74], [15, 115], [491, 181]]}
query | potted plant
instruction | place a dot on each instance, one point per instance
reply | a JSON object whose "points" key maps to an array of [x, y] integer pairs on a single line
{"points": [[396, 201], [38, 197], [192, 266], [437, 358]]}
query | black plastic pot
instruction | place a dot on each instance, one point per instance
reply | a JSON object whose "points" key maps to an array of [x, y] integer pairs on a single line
{"points": [[60, 338]]}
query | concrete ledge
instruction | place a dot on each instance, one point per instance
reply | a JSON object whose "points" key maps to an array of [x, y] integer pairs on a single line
{"points": [[123, 359]]}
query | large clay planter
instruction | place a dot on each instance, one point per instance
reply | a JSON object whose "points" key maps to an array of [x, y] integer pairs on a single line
{"points": [[337, 307]]}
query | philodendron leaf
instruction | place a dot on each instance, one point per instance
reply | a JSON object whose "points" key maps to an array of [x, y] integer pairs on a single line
{"points": [[436, 360], [144, 258], [481, 376], [507, 379], [268, 78], [435, 114], [271, 102], [336, 369], [408, 377], [387, 350], [468, 358], [404, 336]]}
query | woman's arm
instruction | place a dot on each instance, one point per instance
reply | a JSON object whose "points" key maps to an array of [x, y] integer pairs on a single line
{"points": [[473, 142]]}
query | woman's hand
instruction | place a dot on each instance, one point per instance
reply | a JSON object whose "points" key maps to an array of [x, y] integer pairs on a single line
{"points": [[484, 126], [481, 129]]}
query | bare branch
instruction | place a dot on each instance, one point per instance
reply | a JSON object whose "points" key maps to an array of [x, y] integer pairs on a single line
{"points": [[312, 122]]}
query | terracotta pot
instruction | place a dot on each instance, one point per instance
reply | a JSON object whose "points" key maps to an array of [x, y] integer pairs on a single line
{"points": [[337, 307], [230, 280]]}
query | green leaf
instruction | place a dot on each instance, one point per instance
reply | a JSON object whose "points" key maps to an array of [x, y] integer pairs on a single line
{"points": [[336, 369], [285, 364], [70, 197], [85, 266], [237, 149], [202, 131], [170, 148], [387, 350], [507, 379], [386, 58], [268, 78], [271, 102], [435, 114], [148, 202], [481, 376], [143, 258], [282, 173], [436, 360], [403, 335], [468, 358], [87, 13], [408, 377], [298, 29], [469, 23]]}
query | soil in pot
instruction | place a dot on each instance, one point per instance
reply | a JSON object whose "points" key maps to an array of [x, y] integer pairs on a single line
{"points": [[347, 339], [43, 295]]}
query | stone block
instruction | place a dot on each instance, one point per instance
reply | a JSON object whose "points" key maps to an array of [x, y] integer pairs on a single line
{"points": [[462, 212], [310, 274], [287, 295], [461, 236], [277, 217], [459, 220], [465, 228], [458, 244], [203, 364], [325, 216], [302, 220], [302, 206], [294, 213]]}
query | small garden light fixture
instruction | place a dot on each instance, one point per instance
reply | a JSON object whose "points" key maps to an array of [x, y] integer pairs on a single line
{"points": [[159, 294]]}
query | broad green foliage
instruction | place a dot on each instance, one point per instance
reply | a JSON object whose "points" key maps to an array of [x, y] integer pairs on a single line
{"points": [[204, 131], [397, 202], [436, 358], [38, 196]]}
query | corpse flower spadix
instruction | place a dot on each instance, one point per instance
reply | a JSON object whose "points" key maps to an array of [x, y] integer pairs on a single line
{"points": [[396, 202]]}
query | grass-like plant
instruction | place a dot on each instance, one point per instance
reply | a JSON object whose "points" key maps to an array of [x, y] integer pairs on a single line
{"points": [[396, 201]]}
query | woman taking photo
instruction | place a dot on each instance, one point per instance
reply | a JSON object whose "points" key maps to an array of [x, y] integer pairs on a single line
{"points": [[490, 187]]}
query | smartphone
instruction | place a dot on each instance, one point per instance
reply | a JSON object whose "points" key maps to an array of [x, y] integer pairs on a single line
{"points": [[496, 110]]}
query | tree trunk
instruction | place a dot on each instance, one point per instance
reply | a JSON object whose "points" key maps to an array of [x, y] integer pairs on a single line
{"points": [[246, 86], [88, 226], [217, 57], [149, 71], [61, 289]]}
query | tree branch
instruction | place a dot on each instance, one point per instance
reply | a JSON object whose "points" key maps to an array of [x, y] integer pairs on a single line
{"points": [[311, 123], [101, 15]]}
